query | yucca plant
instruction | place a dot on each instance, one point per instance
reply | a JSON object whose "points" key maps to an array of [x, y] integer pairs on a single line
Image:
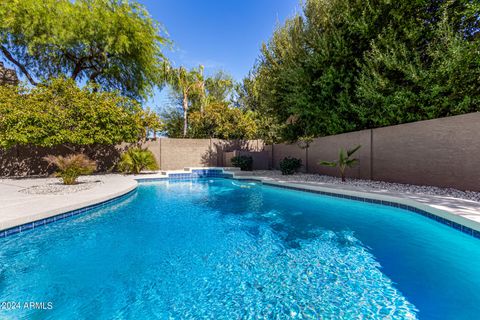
{"points": [[136, 160], [70, 167], [344, 161]]}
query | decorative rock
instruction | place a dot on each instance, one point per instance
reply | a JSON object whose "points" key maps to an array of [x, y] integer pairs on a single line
{"points": [[55, 186], [367, 184]]}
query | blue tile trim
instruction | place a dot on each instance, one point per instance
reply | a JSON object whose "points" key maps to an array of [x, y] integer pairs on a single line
{"points": [[43, 222], [449, 223], [218, 173], [151, 180]]}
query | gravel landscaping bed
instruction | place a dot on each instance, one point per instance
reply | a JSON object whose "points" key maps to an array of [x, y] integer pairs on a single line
{"points": [[55, 186], [367, 184]]}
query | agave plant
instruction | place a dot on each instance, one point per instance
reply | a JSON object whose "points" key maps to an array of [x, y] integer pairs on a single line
{"points": [[136, 160], [70, 167], [344, 161]]}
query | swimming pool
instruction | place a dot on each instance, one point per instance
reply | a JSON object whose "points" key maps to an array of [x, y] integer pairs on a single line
{"points": [[223, 249]]}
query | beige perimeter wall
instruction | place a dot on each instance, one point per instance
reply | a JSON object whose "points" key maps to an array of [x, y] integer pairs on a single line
{"points": [[442, 152]]}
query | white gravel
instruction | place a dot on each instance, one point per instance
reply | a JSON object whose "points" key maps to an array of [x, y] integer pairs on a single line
{"points": [[367, 184], [55, 186]]}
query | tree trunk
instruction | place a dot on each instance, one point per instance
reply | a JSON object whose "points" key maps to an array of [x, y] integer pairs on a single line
{"points": [[185, 111]]}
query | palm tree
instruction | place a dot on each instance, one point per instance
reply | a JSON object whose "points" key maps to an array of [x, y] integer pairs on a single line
{"points": [[344, 161], [186, 83]]}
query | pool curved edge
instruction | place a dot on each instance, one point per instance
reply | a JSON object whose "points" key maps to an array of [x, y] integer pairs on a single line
{"points": [[92, 199], [32, 221], [460, 223]]}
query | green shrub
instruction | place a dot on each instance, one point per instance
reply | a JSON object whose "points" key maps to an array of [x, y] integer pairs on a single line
{"points": [[290, 165], [69, 168], [136, 160], [60, 112], [245, 163]]}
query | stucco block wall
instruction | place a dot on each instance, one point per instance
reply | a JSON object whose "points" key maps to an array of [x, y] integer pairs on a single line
{"points": [[154, 147], [327, 149], [28, 160], [181, 153], [442, 152]]}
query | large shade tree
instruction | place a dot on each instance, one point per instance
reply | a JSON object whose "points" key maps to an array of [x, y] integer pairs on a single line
{"points": [[343, 65], [115, 44]]}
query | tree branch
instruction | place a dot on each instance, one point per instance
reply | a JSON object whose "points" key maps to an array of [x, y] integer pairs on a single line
{"points": [[78, 68], [18, 64], [94, 75]]}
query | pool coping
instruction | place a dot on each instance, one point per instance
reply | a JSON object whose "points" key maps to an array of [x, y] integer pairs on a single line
{"points": [[452, 220], [465, 225], [47, 216], [459, 223]]}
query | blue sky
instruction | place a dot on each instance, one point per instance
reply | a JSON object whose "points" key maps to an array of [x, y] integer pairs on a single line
{"points": [[219, 34]]}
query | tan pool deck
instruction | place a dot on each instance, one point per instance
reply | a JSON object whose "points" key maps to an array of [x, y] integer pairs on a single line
{"points": [[17, 208]]}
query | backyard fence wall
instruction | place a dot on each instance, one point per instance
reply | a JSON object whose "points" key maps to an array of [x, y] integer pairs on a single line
{"points": [[28, 160], [442, 152], [171, 154]]}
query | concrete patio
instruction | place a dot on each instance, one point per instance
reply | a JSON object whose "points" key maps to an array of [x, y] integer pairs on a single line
{"points": [[18, 207]]}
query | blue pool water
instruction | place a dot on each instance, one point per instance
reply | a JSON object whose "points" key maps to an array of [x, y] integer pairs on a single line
{"points": [[222, 249]]}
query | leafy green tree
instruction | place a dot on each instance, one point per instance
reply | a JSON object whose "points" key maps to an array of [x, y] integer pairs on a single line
{"points": [[344, 65], [219, 87], [210, 111], [151, 123], [172, 123], [115, 44], [247, 99], [59, 112], [219, 120], [416, 71]]}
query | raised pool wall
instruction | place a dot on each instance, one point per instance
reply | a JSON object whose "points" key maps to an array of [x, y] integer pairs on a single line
{"points": [[441, 152]]}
